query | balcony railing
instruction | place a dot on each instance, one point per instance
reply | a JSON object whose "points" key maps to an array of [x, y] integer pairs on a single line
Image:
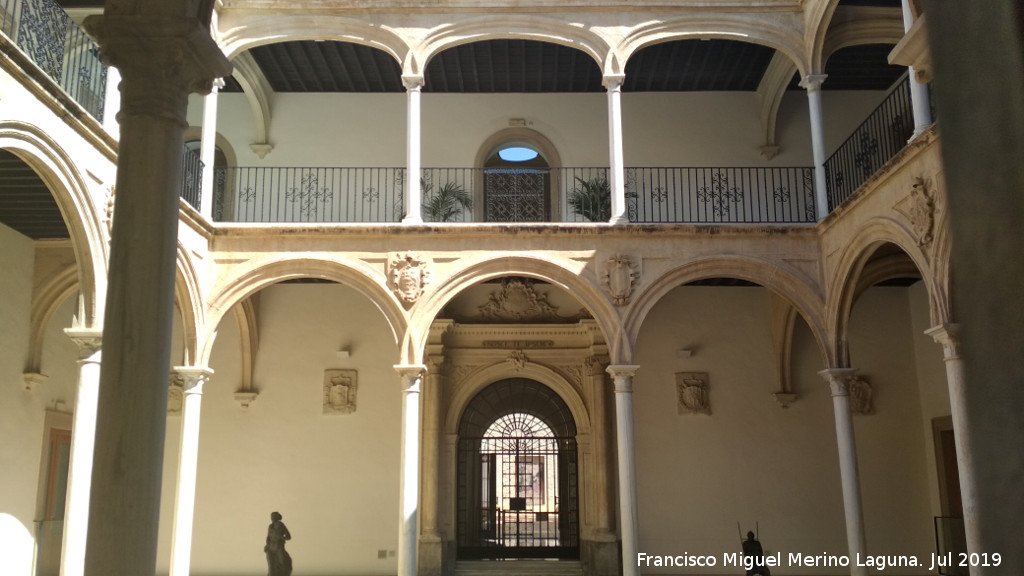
{"points": [[884, 133], [59, 47], [191, 178], [576, 194]]}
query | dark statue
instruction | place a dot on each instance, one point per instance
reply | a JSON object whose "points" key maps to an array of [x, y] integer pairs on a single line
{"points": [[752, 548], [279, 563]]}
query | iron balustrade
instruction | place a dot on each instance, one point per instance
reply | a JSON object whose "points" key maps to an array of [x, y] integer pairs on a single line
{"points": [[48, 36], [191, 178], [879, 138], [314, 195]]}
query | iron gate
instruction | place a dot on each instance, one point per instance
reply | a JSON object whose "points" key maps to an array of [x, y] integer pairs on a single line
{"points": [[516, 195], [518, 497]]}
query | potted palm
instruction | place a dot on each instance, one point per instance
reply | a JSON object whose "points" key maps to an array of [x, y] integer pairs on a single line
{"points": [[446, 203]]}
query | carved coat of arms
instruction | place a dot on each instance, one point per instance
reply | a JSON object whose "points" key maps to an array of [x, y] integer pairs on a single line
{"points": [[692, 393], [340, 387], [619, 278], [408, 274]]}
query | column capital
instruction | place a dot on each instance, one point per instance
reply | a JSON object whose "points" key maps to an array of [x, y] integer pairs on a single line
{"points": [[812, 82], [622, 376], [413, 81], [161, 61], [613, 81], [412, 375], [218, 84], [88, 340], [948, 335], [191, 378], [839, 379]]}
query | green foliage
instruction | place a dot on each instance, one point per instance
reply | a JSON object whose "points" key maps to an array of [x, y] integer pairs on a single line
{"points": [[446, 203], [592, 199]]}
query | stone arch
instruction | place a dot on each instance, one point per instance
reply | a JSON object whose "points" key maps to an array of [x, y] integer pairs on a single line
{"points": [[194, 133], [786, 283], [513, 135], [255, 275], [845, 285], [818, 22], [84, 222], [550, 270], [484, 376], [263, 30], [46, 300], [509, 27], [877, 30], [769, 33], [188, 298]]}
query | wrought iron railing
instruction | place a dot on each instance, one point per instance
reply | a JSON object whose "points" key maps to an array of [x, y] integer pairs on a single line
{"points": [[574, 194], [191, 178], [294, 195], [884, 133], [59, 47]]}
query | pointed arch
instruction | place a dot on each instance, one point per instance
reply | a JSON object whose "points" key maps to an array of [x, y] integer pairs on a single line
{"points": [[255, 275], [72, 196]]}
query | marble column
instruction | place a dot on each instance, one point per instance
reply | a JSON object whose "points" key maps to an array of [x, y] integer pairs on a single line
{"points": [[208, 149], [617, 171], [948, 335], [83, 436], [839, 380], [409, 486], [162, 57], [812, 83], [604, 558], [413, 190], [192, 380], [920, 100], [622, 378], [430, 559]]}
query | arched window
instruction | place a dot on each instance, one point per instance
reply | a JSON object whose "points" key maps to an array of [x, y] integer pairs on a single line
{"points": [[517, 185]]}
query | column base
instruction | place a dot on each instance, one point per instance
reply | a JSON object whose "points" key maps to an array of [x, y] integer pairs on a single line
{"points": [[431, 556], [600, 557]]}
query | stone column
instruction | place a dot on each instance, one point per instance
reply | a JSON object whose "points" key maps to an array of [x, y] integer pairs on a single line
{"points": [[604, 558], [812, 83], [948, 335], [83, 436], [162, 57], [622, 378], [920, 100], [839, 380], [409, 486], [413, 192], [617, 171], [208, 148], [430, 560], [192, 380]]}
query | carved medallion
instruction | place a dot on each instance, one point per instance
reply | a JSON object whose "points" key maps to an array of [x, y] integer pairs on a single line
{"points": [[692, 393], [620, 276], [861, 396], [518, 301], [922, 212], [408, 274], [340, 387], [517, 359]]}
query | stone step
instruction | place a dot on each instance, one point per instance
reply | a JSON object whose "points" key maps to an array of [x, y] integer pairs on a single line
{"points": [[520, 567]]}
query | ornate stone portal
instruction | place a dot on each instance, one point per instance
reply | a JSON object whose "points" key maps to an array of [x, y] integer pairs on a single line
{"points": [[340, 387]]}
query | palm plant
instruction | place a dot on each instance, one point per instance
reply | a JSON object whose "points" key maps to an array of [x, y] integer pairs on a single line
{"points": [[592, 199], [446, 203]]}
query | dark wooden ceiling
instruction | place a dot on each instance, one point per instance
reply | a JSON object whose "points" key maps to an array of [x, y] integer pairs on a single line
{"points": [[26, 204]]}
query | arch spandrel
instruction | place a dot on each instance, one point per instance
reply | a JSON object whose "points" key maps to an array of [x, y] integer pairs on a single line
{"points": [[239, 33], [845, 279], [188, 297], [806, 298], [537, 267], [84, 222], [253, 276]]}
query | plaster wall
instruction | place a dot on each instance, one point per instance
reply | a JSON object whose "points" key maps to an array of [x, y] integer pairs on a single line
{"points": [[752, 461], [659, 128], [334, 478]]}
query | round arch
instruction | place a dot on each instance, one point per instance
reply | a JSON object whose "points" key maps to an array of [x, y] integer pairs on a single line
{"points": [[258, 274], [46, 300], [519, 135], [507, 27], [722, 27], [261, 30], [88, 234], [801, 295], [188, 298], [843, 288], [533, 266]]}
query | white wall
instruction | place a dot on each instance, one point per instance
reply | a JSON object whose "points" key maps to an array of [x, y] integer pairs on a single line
{"points": [[334, 478]]}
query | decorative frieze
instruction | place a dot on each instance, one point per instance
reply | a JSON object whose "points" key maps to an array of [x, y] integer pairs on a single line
{"points": [[408, 275], [619, 278], [692, 393], [340, 387], [518, 301]]}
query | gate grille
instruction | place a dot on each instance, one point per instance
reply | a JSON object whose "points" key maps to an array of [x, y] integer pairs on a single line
{"points": [[516, 195], [518, 498]]}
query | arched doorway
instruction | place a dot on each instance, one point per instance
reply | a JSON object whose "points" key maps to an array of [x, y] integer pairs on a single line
{"points": [[518, 490], [517, 185]]}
